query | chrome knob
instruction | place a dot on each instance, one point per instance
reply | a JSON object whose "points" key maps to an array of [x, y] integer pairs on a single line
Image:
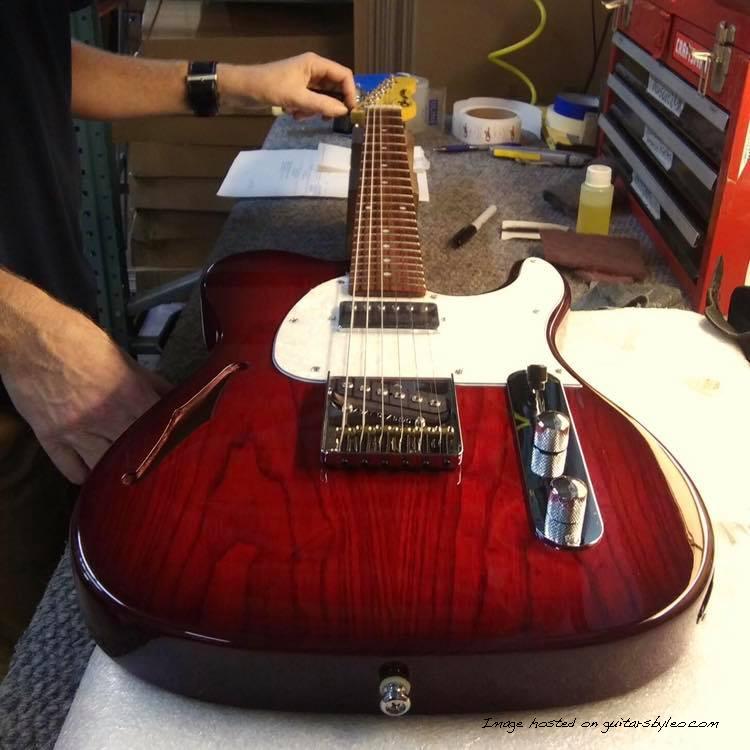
{"points": [[394, 695], [536, 377], [551, 437], [566, 508]]}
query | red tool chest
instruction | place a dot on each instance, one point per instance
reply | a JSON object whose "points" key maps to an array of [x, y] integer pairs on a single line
{"points": [[676, 120]]}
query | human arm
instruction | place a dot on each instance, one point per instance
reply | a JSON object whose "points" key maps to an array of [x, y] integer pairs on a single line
{"points": [[71, 383], [111, 87]]}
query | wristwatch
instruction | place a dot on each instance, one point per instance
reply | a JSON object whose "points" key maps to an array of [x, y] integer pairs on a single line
{"points": [[202, 88]]}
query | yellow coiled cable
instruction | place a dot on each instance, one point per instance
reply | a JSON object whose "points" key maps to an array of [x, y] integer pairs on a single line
{"points": [[495, 56]]}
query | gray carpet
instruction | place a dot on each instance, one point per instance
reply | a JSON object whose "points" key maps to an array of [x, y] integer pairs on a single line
{"points": [[52, 655]]}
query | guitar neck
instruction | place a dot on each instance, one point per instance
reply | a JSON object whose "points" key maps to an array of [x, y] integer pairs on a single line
{"points": [[386, 256]]}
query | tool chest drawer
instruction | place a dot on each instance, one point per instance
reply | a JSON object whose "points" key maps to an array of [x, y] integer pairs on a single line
{"points": [[664, 148], [695, 117], [671, 217], [676, 122]]}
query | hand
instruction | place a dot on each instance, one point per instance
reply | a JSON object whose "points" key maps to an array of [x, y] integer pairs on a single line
{"points": [[287, 83], [76, 388]]}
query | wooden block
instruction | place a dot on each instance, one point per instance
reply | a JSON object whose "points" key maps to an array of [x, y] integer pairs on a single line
{"points": [[178, 193], [607, 255], [175, 160], [245, 131], [154, 226]]}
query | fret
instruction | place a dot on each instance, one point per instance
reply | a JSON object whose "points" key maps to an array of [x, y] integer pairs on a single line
{"points": [[388, 166], [391, 209], [403, 219], [402, 194], [375, 273], [377, 204], [377, 267], [380, 223], [391, 253], [365, 237], [373, 282]]}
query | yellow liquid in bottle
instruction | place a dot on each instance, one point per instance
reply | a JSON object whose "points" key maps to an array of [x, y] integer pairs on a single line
{"points": [[594, 209]]}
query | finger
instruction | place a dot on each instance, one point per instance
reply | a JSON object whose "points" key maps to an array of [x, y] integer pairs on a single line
{"points": [[323, 69], [67, 461], [301, 114], [309, 103]]}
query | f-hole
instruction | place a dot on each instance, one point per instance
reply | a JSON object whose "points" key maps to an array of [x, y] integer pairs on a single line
{"points": [[185, 419]]}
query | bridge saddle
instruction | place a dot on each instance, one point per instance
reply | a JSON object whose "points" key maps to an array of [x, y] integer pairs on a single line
{"points": [[381, 421]]}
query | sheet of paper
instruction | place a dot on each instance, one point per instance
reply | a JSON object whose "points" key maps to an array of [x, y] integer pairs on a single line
{"points": [[278, 173], [271, 173]]}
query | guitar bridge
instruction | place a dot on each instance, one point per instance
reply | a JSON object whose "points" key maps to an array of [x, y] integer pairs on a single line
{"points": [[392, 422]]}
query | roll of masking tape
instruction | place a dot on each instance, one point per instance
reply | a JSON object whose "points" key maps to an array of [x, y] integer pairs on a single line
{"points": [[570, 131], [421, 95], [484, 120]]}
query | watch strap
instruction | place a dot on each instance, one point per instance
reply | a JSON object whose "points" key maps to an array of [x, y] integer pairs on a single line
{"points": [[202, 88]]}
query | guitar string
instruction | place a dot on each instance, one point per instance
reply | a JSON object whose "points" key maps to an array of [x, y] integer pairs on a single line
{"points": [[399, 337], [429, 335], [365, 338], [382, 287], [438, 403], [357, 244], [411, 310]]}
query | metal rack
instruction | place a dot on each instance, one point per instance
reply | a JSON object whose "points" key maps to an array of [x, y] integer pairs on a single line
{"points": [[101, 220]]}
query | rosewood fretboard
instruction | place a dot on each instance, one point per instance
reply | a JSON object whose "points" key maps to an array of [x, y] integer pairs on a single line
{"points": [[386, 257]]}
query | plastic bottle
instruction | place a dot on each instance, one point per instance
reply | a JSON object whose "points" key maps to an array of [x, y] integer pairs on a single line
{"points": [[595, 204]]}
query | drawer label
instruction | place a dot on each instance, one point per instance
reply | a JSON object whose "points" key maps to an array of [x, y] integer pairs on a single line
{"points": [[665, 96], [647, 197], [683, 49], [662, 153]]}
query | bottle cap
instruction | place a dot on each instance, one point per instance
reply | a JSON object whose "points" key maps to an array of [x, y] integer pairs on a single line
{"points": [[599, 175]]}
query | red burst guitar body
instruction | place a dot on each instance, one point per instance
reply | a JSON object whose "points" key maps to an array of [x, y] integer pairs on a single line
{"points": [[373, 496]]}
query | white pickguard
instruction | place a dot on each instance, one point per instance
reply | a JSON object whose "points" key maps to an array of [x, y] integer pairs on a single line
{"points": [[480, 341]]}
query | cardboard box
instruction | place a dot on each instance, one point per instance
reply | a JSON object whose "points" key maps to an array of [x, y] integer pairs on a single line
{"points": [[177, 253], [143, 279], [153, 226], [243, 131], [176, 160], [178, 193], [246, 32]]}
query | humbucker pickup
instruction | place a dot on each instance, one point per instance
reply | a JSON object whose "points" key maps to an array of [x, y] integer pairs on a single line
{"points": [[402, 314]]}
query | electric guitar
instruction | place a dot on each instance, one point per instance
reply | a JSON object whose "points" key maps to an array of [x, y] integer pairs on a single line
{"points": [[373, 497]]}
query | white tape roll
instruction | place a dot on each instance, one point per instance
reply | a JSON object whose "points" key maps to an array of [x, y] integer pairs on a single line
{"points": [[484, 120]]}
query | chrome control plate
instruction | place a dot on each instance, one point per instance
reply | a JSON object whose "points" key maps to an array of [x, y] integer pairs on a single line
{"points": [[524, 407]]}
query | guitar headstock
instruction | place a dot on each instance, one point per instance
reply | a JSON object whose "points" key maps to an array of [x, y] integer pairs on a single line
{"points": [[397, 90]]}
